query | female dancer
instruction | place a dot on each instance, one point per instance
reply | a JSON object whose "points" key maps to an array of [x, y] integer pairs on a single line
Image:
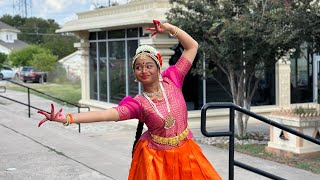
{"points": [[166, 150]]}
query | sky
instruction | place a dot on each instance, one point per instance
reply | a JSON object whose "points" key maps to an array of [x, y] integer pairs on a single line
{"points": [[59, 10]]}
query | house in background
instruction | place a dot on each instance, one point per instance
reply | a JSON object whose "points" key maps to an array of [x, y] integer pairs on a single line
{"points": [[72, 65], [9, 39]]}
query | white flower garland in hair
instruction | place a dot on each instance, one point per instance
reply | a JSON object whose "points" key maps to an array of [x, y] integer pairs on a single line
{"points": [[146, 50]]}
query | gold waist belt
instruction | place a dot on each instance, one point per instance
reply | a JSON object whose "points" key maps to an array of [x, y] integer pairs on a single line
{"points": [[170, 140]]}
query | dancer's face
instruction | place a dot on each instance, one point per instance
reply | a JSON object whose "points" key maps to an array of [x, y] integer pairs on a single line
{"points": [[146, 70]]}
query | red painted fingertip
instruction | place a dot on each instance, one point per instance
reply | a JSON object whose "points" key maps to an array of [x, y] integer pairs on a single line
{"points": [[41, 122], [156, 21], [154, 33]]}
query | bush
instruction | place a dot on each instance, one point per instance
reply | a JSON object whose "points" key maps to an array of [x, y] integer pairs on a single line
{"points": [[303, 110]]}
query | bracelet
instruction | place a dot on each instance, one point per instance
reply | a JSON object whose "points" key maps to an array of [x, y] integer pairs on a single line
{"points": [[69, 119], [176, 32]]}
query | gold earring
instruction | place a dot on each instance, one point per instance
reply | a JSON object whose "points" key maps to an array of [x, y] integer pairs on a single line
{"points": [[160, 77]]}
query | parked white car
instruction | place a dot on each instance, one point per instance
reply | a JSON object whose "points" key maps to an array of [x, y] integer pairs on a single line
{"points": [[6, 72]]}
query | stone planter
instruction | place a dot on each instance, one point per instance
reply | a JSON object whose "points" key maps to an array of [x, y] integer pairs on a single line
{"points": [[286, 144]]}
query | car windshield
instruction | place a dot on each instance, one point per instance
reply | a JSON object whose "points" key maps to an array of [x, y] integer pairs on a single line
{"points": [[27, 68]]}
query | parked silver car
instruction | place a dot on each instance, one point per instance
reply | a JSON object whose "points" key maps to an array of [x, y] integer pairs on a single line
{"points": [[6, 72]]}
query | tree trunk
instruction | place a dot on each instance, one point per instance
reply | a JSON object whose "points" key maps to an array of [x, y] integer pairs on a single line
{"points": [[242, 94]]}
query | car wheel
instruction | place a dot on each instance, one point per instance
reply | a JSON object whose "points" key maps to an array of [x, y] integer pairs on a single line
{"points": [[24, 81], [1, 76]]}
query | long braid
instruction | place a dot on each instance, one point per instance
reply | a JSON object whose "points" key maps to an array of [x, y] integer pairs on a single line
{"points": [[138, 134]]}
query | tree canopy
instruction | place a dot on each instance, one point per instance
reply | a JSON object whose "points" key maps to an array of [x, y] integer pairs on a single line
{"points": [[3, 58], [35, 56]]}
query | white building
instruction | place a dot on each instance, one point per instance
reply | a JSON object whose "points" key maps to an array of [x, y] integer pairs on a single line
{"points": [[9, 39], [72, 64]]}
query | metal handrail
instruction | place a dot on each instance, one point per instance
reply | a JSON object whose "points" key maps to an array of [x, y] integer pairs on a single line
{"points": [[232, 107], [30, 106]]}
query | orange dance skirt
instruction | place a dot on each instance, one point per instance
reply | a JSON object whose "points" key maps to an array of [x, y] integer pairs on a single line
{"points": [[185, 162]]}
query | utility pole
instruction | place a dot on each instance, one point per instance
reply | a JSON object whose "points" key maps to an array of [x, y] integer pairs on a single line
{"points": [[22, 7]]}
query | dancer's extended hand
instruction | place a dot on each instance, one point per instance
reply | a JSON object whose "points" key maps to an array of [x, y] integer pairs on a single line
{"points": [[58, 117], [158, 27]]}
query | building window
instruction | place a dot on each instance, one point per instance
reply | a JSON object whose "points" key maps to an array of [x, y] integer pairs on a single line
{"points": [[117, 70], [111, 75], [301, 78], [93, 71], [116, 34]]}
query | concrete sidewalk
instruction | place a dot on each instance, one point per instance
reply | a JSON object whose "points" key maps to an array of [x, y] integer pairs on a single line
{"points": [[101, 151]]}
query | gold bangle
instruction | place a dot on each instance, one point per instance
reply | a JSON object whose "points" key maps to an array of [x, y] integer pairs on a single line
{"points": [[176, 32]]}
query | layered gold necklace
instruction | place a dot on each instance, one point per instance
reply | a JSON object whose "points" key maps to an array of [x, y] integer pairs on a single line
{"points": [[169, 121]]}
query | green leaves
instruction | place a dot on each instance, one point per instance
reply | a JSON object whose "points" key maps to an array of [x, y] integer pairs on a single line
{"points": [[33, 55]]}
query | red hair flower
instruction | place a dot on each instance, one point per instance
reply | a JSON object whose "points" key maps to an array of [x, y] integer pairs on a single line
{"points": [[160, 59]]}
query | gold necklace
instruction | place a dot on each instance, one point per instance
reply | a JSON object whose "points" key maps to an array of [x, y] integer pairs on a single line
{"points": [[169, 121], [151, 94]]}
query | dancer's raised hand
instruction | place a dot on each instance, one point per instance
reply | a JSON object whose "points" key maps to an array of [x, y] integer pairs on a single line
{"points": [[160, 27], [58, 117]]}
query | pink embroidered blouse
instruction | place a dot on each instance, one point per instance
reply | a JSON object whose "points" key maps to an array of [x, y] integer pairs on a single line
{"points": [[140, 108]]}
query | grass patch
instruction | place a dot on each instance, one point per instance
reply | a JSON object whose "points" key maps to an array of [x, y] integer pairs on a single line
{"points": [[256, 150], [67, 92]]}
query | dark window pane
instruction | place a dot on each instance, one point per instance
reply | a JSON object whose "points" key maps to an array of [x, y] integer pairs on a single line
{"points": [[141, 33], [116, 34], [133, 86], [132, 32], [93, 36], [93, 71], [102, 35], [117, 71], [103, 71], [301, 79]]}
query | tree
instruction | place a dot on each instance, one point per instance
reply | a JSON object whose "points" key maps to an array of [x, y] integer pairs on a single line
{"points": [[35, 56], [60, 45], [243, 37], [44, 60], [3, 58], [14, 21]]}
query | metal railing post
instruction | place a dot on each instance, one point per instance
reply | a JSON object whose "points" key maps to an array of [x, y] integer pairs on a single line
{"points": [[231, 145], [79, 128], [29, 109]]}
